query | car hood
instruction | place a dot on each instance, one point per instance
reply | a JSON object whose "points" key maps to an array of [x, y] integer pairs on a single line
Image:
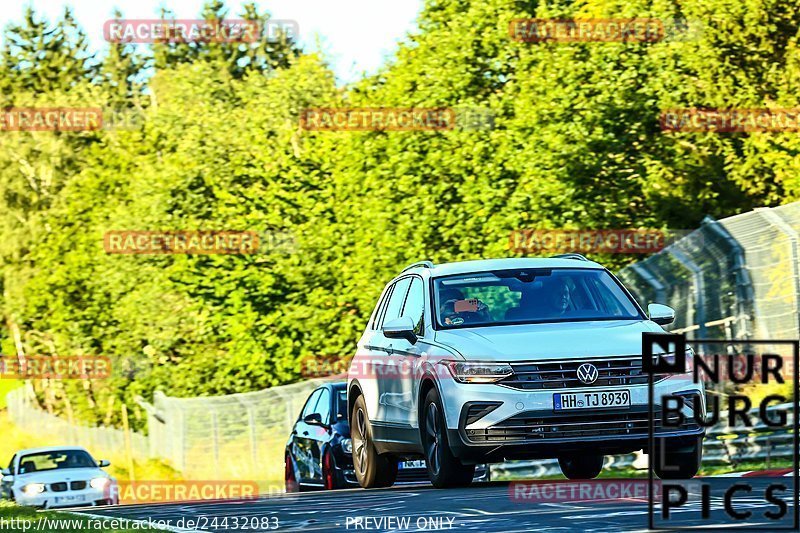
{"points": [[54, 476], [562, 340]]}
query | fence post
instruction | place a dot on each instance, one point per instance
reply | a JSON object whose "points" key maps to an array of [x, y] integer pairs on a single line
{"points": [[253, 440], [744, 285], [658, 287], [698, 287], [127, 436], [792, 234], [215, 432]]}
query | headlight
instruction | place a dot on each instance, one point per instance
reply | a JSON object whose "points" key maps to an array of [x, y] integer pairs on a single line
{"points": [[32, 489], [479, 372], [347, 446], [99, 482]]}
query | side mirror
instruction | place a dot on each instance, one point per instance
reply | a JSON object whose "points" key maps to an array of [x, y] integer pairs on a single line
{"points": [[661, 314], [400, 328], [103, 463], [313, 419], [5, 472]]}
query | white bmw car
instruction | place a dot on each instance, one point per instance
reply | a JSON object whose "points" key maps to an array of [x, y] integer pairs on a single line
{"points": [[57, 476]]}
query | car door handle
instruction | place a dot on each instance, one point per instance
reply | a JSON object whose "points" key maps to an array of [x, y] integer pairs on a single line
{"points": [[305, 433]]}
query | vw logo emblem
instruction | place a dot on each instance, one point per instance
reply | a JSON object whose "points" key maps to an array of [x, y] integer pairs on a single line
{"points": [[588, 373]]}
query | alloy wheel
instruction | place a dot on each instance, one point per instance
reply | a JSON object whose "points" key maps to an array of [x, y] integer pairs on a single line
{"points": [[360, 441], [433, 430]]}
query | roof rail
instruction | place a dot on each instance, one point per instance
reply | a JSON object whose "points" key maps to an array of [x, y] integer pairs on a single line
{"points": [[423, 264], [578, 257]]}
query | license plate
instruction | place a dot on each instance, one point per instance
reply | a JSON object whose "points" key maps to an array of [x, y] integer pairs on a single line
{"points": [[412, 464], [70, 499], [602, 399]]}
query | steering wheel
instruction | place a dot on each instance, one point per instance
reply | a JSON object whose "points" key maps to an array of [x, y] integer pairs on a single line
{"points": [[469, 317]]}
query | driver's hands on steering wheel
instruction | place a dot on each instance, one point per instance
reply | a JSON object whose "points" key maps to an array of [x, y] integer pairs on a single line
{"points": [[456, 318]]}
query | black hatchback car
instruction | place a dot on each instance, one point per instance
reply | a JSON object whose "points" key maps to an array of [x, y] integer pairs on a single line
{"points": [[319, 452]]}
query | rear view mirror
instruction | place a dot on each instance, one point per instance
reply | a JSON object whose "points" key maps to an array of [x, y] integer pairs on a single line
{"points": [[400, 328], [661, 314]]}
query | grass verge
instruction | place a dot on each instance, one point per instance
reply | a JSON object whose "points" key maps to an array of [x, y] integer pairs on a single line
{"points": [[15, 518]]}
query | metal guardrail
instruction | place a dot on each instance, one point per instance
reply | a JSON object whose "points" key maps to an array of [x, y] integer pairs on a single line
{"points": [[722, 445]]}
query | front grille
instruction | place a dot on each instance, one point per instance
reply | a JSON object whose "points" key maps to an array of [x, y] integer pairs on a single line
{"points": [[77, 485], [58, 487], [534, 426], [564, 374]]}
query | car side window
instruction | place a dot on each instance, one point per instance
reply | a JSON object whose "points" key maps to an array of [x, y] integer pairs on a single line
{"points": [[415, 305], [376, 320], [396, 301], [311, 403], [324, 406]]}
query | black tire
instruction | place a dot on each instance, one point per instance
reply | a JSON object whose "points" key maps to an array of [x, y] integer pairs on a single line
{"points": [[373, 470], [585, 466], [678, 458], [444, 468]]}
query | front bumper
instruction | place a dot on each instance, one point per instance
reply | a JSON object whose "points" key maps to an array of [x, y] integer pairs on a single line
{"points": [[69, 498], [523, 424]]}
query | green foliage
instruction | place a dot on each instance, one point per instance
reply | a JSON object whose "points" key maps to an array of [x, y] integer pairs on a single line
{"points": [[576, 144]]}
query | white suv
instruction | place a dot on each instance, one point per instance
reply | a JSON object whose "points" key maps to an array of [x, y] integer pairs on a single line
{"points": [[493, 360]]}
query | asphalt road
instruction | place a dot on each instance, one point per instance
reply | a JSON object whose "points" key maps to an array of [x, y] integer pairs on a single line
{"points": [[496, 506]]}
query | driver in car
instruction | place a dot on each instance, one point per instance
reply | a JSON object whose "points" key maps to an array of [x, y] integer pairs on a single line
{"points": [[455, 310], [557, 297]]}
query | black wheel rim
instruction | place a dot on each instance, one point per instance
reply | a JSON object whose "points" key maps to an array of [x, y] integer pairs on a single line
{"points": [[434, 438], [360, 442]]}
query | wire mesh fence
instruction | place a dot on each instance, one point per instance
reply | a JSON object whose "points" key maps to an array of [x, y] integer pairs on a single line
{"points": [[240, 436], [24, 412], [736, 278]]}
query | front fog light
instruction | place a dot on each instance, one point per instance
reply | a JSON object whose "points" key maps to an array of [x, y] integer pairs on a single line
{"points": [[99, 482], [479, 372], [347, 446], [32, 489]]}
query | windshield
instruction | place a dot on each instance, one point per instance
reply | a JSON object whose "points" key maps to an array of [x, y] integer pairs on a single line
{"points": [[59, 460], [530, 296]]}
